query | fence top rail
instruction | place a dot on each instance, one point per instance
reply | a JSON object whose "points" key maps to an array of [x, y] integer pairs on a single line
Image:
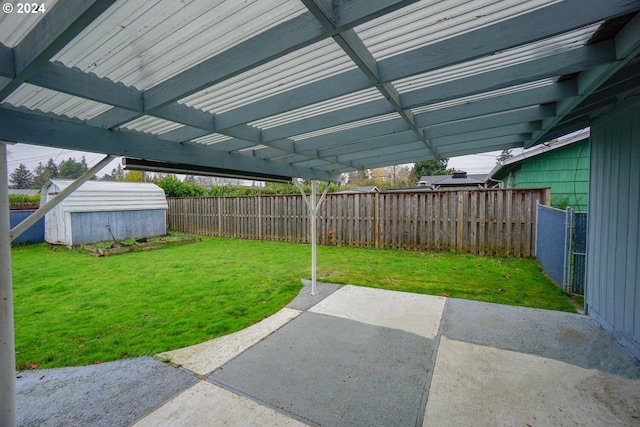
{"points": [[392, 192]]}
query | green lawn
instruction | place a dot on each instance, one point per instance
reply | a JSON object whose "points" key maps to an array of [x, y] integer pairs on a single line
{"points": [[74, 309]]}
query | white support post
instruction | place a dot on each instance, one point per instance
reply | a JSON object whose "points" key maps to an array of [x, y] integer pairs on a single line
{"points": [[7, 339], [313, 214], [313, 206]]}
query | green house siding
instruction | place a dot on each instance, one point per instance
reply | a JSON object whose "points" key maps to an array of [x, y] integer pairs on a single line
{"points": [[565, 170]]}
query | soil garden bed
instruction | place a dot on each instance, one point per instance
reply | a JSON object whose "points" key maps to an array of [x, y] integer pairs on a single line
{"points": [[101, 249]]}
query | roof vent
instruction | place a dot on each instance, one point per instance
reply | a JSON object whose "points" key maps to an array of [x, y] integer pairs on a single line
{"points": [[459, 175]]}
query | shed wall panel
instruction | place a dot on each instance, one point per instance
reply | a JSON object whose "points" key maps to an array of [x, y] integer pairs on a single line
{"points": [[34, 234], [613, 285], [90, 227]]}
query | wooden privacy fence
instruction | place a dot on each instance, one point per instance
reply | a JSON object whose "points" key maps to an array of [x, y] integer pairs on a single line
{"points": [[485, 221]]}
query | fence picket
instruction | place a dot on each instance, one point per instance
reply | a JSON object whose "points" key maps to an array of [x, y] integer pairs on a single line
{"points": [[494, 221]]}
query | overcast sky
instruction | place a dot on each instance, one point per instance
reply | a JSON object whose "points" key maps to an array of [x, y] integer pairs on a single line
{"points": [[31, 155]]}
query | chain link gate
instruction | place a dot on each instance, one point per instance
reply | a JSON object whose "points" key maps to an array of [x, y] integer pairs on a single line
{"points": [[561, 247], [576, 256]]}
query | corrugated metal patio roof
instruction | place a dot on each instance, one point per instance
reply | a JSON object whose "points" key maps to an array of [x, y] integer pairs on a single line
{"points": [[311, 88]]}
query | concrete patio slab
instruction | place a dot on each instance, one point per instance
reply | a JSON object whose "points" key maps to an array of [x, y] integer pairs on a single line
{"points": [[329, 371], [206, 404], [108, 394], [419, 314], [361, 357], [568, 337], [304, 300], [484, 386], [203, 358]]}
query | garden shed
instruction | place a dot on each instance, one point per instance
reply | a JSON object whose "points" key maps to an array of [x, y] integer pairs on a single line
{"points": [[97, 209]]}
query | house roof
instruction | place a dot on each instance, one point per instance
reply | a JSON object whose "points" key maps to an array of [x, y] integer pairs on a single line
{"points": [[450, 180], [469, 180], [311, 88], [363, 189], [541, 149]]}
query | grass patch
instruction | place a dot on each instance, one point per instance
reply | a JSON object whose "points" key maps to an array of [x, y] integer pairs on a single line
{"points": [[71, 309]]}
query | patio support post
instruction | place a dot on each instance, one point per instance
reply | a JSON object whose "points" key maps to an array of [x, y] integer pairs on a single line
{"points": [[7, 339], [313, 206]]}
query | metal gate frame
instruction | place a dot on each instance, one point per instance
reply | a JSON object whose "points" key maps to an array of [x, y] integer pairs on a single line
{"points": [[562, 253], [576, 252]]}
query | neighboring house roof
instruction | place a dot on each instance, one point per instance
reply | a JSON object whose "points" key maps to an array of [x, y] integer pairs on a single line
{"points": [[428, 180], [24, 192], [364, 189], [541, 149], [458, 179]]}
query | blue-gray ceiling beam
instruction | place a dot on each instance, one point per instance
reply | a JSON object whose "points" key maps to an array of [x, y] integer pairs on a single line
{"points": [[370, 144], [480, 144], [514, 32], [505, 104], [230, 145], [536, 113], [398, 148], [556, 65], [526, 28], [312, 93], [62, 22], [627, 47], [526, 98], [35, 129], [310, 146], [295, 34], [623, 84], [347, 148], [470, 149], [72, 81], [367, 110], [285, 38], [515, 101], [477, 135], [7, 68]]}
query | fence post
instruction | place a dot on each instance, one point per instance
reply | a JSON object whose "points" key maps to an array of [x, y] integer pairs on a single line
{"points": [[460, 221], [259, 218], [219, 217], [376, 221]]}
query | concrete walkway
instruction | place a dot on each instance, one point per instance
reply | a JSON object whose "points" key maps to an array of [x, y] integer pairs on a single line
{"points": [[354, 356]]}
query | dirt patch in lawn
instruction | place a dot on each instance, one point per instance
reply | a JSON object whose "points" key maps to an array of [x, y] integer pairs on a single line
{"points": [[101, 249]]}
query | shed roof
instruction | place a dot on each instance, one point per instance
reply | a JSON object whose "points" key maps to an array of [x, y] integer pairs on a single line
{"points": [[103, 196], [311, 88]]}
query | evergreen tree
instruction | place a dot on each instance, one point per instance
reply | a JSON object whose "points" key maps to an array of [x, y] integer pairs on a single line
{"points": [[428, 168], [43, 173], [21, 177], [72, 169]]}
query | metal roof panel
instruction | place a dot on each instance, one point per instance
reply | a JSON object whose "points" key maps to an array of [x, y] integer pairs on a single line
{"points": [[144, 43], [304, 66], [426, 22], [49, 101]]}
